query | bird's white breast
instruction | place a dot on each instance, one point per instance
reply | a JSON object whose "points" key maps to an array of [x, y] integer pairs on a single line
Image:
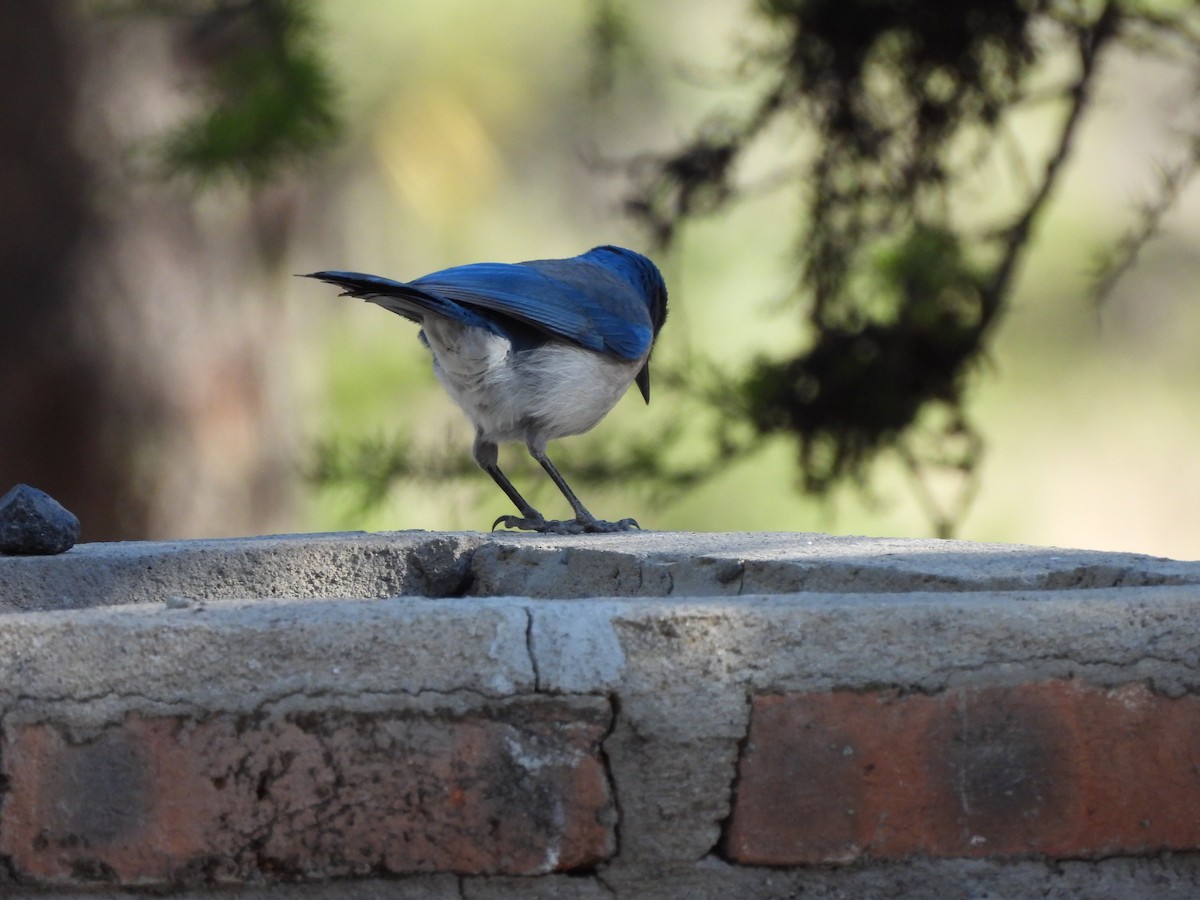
{"points": [[555, 390]]}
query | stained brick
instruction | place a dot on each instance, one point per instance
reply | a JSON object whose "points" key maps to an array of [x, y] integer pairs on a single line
{"points": [[1054, 768], [517, 789]]}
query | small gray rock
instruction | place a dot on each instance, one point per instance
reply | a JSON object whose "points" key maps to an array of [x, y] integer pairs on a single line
{"points": [[32, 523]]}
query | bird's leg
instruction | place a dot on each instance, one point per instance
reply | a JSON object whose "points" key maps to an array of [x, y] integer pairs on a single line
{"points": [[584, 520], [486, 456], [530, 519]]}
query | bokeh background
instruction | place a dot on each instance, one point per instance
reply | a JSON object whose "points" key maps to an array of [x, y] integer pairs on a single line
{"points": [[165, 376]]}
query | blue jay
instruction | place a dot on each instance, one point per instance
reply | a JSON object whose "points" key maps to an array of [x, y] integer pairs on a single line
{"points": [[532, 351]]}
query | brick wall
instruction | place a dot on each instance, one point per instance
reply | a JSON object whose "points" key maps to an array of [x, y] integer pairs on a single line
{"points": [[514, 788], [981, 742]]}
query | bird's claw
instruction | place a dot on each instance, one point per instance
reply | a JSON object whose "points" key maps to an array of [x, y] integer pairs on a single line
{"points": [[523, 523], [565, 526]]}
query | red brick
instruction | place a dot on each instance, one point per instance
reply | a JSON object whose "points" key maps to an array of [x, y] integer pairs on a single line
{"points": [[519, 789], [1057, 768]]}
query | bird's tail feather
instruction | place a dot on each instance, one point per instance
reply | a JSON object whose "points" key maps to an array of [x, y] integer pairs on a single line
{"points": [[402, 299]]}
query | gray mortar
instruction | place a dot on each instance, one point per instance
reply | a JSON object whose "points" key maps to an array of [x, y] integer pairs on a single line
{"points": [[1165, 878]]}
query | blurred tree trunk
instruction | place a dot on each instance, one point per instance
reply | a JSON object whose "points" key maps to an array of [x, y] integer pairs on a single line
{"points": [[141, 334]]}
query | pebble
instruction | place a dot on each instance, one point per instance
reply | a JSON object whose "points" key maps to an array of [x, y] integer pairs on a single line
{"points": [[32, 523]]}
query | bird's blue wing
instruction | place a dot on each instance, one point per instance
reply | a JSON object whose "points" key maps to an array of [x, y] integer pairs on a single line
{"points": [[573, 299]]}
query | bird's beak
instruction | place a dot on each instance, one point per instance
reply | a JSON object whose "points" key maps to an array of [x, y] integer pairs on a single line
{"points": [[643, 381]]}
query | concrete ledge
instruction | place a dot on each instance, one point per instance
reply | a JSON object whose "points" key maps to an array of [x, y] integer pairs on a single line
{"points": [[469, 564], [648, 715]]}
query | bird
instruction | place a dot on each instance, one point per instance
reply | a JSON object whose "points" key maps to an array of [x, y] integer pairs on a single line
{"points": [[532, 351]]}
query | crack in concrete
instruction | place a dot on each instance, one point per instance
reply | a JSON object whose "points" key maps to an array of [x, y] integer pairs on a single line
{"points": [[614, 706], [529, 649], [718, 849]]}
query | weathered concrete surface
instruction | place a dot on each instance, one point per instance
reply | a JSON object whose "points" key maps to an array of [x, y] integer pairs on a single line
{"points": [[641, 564], [724, 619], [237, 654], [333, 565]]}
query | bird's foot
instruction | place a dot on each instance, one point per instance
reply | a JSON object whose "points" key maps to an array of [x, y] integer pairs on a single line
{"points": [[565, 526], [599, 526]]}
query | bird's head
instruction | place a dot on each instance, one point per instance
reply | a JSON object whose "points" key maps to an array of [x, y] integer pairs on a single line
{"points": [[648, 281]]}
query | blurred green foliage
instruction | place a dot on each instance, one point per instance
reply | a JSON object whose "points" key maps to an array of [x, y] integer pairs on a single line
{"points": [[887, 110], [899, 289], [266, 98]]}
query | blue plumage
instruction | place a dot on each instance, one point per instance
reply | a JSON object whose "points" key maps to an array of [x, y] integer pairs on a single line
{"points": [[533, 351]]}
